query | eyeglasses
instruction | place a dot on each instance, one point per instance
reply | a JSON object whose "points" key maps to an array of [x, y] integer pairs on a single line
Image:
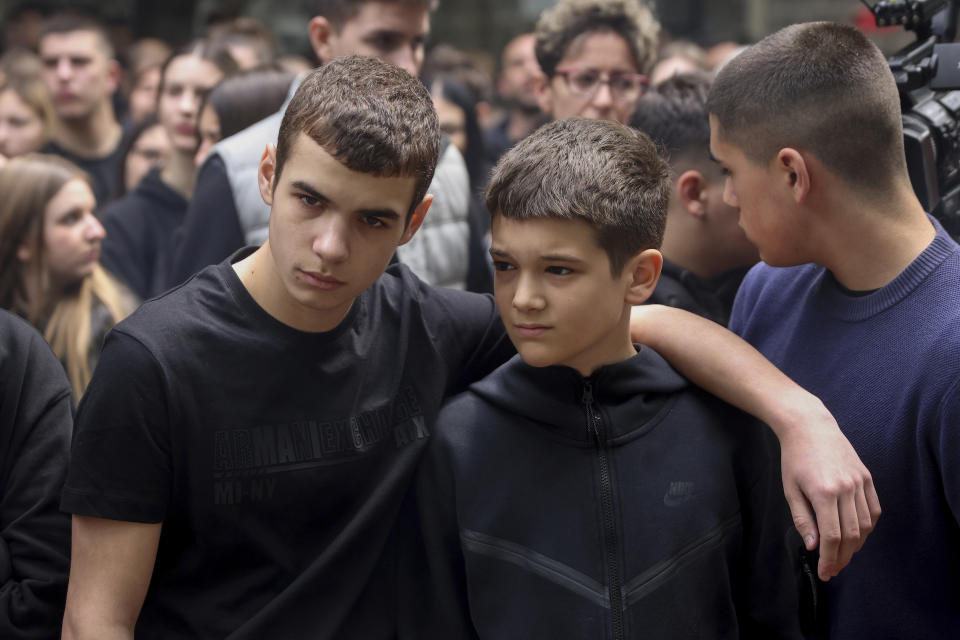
{"points": [[624, 87]]}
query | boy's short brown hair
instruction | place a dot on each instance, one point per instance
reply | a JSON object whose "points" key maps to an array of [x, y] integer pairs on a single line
{"points": [[603, 173], [560, 26], [821, 87], [338, 12], [371, 116]]}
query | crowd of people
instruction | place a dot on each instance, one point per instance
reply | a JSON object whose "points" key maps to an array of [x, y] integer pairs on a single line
{"points": [[630, 339]]}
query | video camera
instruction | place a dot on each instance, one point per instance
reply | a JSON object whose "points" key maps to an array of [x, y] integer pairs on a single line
{"points": [[928, 78]]}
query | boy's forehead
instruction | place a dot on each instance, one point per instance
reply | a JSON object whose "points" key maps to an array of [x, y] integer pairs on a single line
{"points": [[542, 235], [311, 164], [375, 15]]}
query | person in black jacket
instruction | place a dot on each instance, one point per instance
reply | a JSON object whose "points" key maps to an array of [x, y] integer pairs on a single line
{"points": [[35, 424], [706, 253], [585, 489]]}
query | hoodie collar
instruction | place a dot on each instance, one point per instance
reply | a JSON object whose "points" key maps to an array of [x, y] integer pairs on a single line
{"points": [[629, 395]]}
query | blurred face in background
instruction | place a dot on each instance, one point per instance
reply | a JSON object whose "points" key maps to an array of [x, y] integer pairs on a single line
{"points": [[77, 72], [453, 121], [597, 78], [395, 32], [152, 149], [71, 235], [143, 96], [21, 128], [521, 74], [186, 81]]}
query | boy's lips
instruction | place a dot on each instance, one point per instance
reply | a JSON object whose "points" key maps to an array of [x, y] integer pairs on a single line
{"points": [[319, 280], [530, 329]]}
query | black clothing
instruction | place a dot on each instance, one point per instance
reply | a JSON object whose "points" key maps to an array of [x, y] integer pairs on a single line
{"points": [[35, 424], [623, 505], [103, 171], [140, 230], [712, 299], [276, 459], [212, 237]]}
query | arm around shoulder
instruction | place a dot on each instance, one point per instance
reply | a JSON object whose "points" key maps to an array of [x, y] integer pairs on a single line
{"points": [[111, 566], [829, 490]]}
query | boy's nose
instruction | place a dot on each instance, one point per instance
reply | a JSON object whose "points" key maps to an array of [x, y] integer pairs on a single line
{"points": [[330, 243]]}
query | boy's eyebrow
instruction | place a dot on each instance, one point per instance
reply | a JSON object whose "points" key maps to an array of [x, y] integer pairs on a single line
{"points": [[386, 212], [313, 193], [548, 257]]}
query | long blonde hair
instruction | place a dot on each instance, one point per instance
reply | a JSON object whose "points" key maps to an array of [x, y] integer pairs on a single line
{"points": [[28, 183]]}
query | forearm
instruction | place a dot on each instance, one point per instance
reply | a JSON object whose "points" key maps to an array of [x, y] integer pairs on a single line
{"points": [[76, 627], [719, 361]]}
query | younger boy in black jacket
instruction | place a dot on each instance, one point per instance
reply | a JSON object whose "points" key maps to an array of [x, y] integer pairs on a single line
{"points": [[585, 489]]}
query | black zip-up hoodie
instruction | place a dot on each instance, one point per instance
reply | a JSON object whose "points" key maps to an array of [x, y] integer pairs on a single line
{"points": [[624, 505]]}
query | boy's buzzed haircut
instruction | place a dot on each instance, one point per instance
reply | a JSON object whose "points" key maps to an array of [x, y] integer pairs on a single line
{"points": [[822, 87], [603, 173], [371, 116], [674, 115], [71, 20], [560, 26], [337, 12]]}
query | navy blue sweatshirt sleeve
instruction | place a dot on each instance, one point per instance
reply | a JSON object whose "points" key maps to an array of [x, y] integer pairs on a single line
{"points": [[211, 230], [35, 426]]}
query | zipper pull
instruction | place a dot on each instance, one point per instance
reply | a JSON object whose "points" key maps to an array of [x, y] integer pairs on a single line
{"points": [[592, 427]]}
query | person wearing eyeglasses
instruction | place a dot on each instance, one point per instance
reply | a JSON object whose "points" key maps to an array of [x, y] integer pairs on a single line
{"points": [[595, 55]]}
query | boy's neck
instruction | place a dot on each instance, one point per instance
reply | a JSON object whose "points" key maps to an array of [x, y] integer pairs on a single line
{"points": [[258, 274], [874, 247], [617, 349], [94, 137]]}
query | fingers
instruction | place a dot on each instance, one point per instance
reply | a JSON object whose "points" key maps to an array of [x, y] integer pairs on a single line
{"points": [[864, 517], [803, 517], [851, 537], [873, 502], [828, 522]]}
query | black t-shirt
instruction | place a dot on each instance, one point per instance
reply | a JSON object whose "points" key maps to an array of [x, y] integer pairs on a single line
{"points": [[140, 228], [103, 171], [276, 459], [36, 420]]}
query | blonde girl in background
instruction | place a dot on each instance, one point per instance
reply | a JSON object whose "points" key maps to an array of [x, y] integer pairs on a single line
{"points": [[50, 251]]}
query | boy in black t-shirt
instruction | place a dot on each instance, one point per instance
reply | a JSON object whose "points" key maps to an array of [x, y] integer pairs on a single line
{"points": [[244, 444], [584, 489]]}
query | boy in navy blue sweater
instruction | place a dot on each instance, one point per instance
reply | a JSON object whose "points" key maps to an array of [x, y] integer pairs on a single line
{"points": [[585, 489], [865, 312]]}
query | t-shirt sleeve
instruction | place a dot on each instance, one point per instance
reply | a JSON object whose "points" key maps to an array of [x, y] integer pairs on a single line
{"points": [[120, 466], [211, 229], [469, 330]]}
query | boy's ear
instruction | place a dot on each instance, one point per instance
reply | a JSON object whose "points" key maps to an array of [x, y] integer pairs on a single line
{"points": [[692, 190], [544, 93], [416, 219], [266, 173], [321, 31], [794, 171], [115, 75], [644, 272]]}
